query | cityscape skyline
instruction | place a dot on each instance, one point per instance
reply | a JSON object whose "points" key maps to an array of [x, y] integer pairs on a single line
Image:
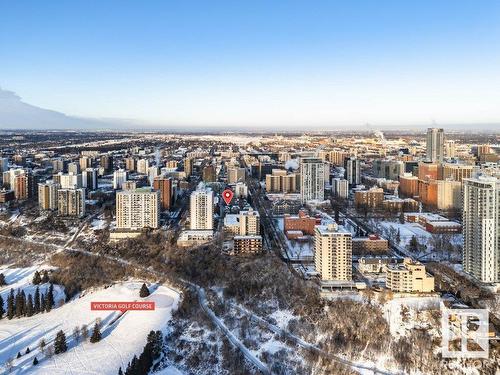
{"points": [[360, 235]]}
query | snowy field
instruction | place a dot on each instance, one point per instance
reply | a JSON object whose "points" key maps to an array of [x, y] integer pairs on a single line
{"points": [[20, 278], [408, 230], [122, 337]]}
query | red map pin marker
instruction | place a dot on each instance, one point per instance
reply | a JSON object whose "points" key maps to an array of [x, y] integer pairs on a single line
{"points": [[227, 195]]}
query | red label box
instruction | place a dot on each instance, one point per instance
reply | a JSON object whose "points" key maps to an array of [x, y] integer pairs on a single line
{"points": [[122, 306]]}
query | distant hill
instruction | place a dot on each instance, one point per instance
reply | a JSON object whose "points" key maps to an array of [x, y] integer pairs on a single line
{"points": [[16, 114]]}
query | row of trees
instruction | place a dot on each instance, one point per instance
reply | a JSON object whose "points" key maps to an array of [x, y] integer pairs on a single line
{"points": [[82, 334], [151, 352], [39, 279], [19, 305]]}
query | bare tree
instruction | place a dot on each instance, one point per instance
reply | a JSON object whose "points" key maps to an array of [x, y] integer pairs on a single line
{"points": [[76, 334], [9, 365], [49, 351], [42, 344], [84, 332]]}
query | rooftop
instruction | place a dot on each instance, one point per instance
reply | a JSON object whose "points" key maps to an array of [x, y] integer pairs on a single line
{"points": [[331, 229]]}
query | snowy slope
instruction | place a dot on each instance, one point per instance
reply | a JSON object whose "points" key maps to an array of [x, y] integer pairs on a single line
{"points": [[20, 278], [121, 339], [392, 312]]}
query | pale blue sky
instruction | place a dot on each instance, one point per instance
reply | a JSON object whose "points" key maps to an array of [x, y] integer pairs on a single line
{"points": [[277, 63]]}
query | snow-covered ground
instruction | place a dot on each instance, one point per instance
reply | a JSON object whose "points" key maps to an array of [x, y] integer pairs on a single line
{"points": [[282, 318], [408, 230], [170, 370], [122, 339], [98, 224], [400, 325], [20, 278]]}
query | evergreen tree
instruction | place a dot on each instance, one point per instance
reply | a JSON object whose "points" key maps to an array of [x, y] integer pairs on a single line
{"points": [[2, 280], [96, 334], [29, 306], [120, 372], [60, 345], [50, 295], [414, 243], [402, 217], [145, 360], [48, 305], [19, 304], [42, 303], [22, 300], [2, 310], [144, 291], [28, 351], [19, 355], [11, 305], [155, 340], [398, 236], [36, 278], [45, 277], [133, 366], [159, 342], [37, 300], [35, 361]]}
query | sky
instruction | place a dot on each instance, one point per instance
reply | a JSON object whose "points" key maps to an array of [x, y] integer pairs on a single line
{"points": [[283, 64]]}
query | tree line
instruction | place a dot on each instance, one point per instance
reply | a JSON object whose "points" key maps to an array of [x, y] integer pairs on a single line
{"points": [[151, 352], [19, 305]]}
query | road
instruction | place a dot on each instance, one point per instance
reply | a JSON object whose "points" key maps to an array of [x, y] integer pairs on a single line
{"points": [[200, 291], [306, 345], [202, 299]]}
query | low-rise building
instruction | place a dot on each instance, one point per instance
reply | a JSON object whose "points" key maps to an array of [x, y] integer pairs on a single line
{"points": [[302, 222], [394, 204], [371, 198], [232, 223], [7, 195], [375, 264], [408, 185], [433, 223], [372, 244], [409, 277], [280, 181], [247, 245], [195, 237]]}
